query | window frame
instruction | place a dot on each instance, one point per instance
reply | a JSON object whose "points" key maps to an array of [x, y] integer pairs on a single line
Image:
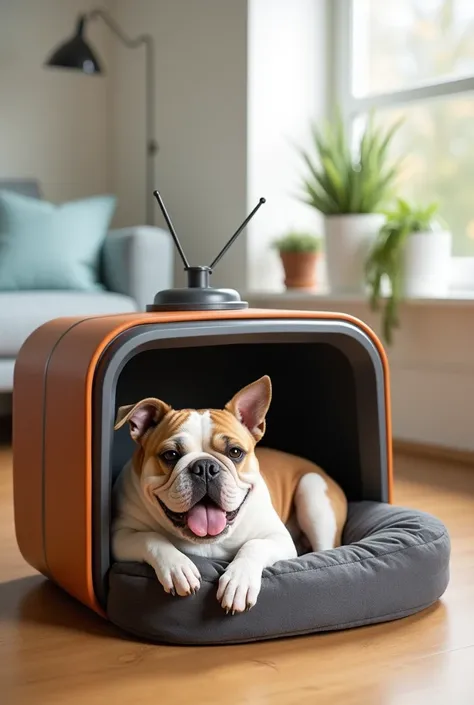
{"points": [[340, 78], [351, 105]]}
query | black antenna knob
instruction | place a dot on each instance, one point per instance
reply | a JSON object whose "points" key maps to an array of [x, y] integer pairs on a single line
{"points": [[199, 277]]}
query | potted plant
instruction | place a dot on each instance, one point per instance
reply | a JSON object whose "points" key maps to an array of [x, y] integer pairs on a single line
{"points": [[299, 253], [412, 254], [350, 188]]}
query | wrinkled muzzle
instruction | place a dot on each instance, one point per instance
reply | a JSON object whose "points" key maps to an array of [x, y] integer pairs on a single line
{"points": [[207, 496]]}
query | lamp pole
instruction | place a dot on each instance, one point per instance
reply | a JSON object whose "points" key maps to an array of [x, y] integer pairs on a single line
{"points": [[151, 145]]}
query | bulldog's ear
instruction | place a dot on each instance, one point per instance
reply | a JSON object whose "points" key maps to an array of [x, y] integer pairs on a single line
{"points": [[251, 404], [142, 416]]}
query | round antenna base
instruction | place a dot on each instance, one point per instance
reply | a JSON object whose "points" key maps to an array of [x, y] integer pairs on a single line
{"points": [[197, 299]]}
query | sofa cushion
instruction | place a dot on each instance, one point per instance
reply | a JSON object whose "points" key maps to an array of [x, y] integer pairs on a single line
{"points": [[47, 246], [7, 367], [23, 311]]}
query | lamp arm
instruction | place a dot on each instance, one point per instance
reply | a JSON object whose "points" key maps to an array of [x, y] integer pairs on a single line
{"points": [[117, 30], [151, 143]]}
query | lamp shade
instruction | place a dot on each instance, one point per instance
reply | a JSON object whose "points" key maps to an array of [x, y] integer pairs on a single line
{"points": [[75, 53]]}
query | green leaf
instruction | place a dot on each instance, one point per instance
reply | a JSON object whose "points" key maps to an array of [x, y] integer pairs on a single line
{"points": [[317, 176], [354, 192], [334, 181], [321, 201]]}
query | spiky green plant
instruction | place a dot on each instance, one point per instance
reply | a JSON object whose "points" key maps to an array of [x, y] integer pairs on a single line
{"points": [[385, 257], [341, 180], [297, 241]]}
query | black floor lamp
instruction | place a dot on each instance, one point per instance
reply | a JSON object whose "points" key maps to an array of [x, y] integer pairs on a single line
{"points": [[75, 53]]}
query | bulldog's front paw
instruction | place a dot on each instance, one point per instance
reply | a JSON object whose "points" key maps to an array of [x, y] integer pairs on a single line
{"points": [[178, 575], [239, 586]]}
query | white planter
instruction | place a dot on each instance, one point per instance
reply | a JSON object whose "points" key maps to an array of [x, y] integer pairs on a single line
{"points": [[347, 244], [427, 264]]}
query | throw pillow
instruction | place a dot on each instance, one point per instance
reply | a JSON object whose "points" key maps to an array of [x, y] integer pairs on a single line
{"points": [[47, 246]]}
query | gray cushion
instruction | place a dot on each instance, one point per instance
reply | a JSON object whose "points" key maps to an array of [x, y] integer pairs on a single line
{"points": [[27, 187], [139, 262], [395, 563], [23, 311]]}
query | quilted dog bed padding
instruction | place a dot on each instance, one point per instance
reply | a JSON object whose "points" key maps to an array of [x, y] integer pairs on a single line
{"points": [[394, 562]]}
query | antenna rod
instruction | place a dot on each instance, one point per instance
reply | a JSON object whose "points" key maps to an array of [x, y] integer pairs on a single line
{"points": [[171, 228], [236, 234]]}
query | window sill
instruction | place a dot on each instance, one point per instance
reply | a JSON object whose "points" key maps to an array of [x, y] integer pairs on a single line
{"points": [[267, 299]]}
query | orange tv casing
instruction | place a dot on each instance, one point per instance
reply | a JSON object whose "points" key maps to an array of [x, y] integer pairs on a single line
{"points": [[53, 426]]}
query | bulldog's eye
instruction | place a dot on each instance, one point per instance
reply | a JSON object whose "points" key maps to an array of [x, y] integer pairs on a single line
{"points": [[170, 456], [235, 453]]}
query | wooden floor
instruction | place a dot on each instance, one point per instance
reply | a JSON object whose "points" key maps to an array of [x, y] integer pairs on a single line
{"points": [[53, 651]]}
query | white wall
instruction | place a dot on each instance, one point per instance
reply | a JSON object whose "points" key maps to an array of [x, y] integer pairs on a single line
{"points": [[201, 76], [53, 124], [287, 90]]}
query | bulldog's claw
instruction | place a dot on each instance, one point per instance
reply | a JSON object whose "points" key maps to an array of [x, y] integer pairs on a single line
{"points": [[239, 586], [179, 576]]}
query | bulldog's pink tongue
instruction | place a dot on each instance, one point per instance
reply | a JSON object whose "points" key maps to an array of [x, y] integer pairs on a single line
{"points": [[205, 520]]}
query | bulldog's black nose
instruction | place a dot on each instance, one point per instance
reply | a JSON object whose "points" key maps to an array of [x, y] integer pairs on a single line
{"points": [[205, 468]]}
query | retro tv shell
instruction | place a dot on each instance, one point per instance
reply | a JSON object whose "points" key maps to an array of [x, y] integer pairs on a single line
{"points": [[330, 404], [195, 347]]}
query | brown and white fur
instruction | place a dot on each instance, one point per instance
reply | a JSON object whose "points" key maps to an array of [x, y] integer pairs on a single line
{"points": [[197, 486]]}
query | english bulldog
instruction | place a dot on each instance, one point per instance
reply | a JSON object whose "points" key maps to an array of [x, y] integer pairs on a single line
{"points": [[197, 486]]}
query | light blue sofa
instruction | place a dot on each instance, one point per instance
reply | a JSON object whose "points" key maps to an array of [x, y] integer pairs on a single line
{"points": [[136, 263]]}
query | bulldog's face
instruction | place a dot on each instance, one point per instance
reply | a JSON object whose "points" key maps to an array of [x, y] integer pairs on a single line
{"points": [[197, 468]]}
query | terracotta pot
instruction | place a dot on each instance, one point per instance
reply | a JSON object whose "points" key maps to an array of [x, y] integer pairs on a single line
{"points": [[300, 269]]}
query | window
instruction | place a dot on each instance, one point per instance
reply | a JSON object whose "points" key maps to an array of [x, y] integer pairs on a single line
{"points": [[415, 58]]}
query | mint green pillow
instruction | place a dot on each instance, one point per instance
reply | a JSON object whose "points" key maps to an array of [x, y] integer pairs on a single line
{"points": [[47, 246]]}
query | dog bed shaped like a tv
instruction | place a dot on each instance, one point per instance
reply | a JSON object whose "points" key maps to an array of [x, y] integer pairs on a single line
{"points": [[194, 348]]}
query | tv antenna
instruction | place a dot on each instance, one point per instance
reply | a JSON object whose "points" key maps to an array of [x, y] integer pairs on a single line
{"points": [[199, 295]]}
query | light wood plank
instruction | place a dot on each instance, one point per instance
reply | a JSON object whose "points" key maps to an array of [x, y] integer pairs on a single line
{"points": [[429, 451]]}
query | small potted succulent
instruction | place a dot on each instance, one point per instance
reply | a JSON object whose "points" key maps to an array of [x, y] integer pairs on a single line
{"points": [[350, 187], [299, 252], [412, 255]]}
